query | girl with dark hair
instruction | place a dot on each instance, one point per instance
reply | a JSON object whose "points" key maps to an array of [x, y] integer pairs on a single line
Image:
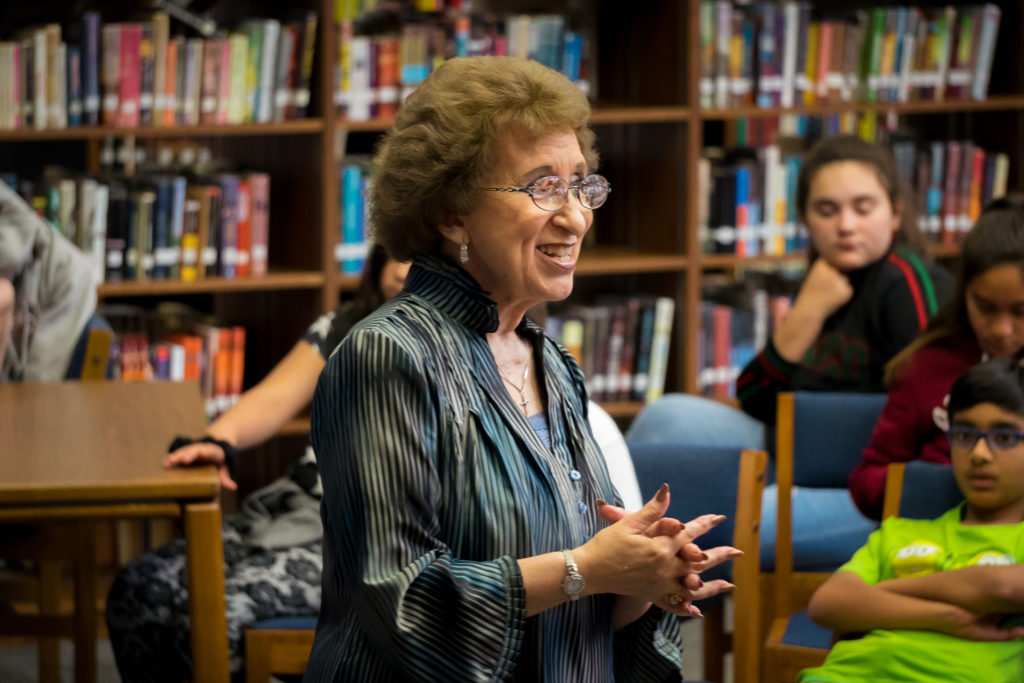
{"points": [[272, 549], [869, 288], [868, 291], [985, 319]]}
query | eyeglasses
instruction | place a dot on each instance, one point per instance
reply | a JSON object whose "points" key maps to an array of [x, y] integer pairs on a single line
{"points": [[998, 439], [551, 192]]}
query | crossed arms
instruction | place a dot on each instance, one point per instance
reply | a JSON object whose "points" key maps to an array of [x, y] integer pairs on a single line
{"points": [[967, 603]]}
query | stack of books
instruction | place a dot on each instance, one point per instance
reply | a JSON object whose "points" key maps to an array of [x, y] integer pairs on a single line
{"points": [[132, 74], [159, 226], [622, 344], [782, 55]]}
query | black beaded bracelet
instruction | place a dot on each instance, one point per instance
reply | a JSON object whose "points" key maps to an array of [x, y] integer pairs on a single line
{"points": [[230, 452]]}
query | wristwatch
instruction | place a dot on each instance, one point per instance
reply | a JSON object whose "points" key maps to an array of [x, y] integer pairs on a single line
{"points": [[574, 582]]}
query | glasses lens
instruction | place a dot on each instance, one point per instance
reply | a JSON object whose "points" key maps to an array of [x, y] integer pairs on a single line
{"points": [[549, 192], [963, 437], [1003, 438], [594, 191]]}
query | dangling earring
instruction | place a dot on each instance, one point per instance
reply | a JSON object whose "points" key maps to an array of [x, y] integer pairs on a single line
{"points": [[463, 253]]}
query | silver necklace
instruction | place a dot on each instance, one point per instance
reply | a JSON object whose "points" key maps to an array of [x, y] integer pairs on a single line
{"points": [[522, 387]]}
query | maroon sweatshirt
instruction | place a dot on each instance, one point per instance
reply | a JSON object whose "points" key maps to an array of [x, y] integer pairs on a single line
{"points": [[914, 420]]}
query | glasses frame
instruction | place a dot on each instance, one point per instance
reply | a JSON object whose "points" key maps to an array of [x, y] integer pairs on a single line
{"points": [[986, 434], [573, 187]]}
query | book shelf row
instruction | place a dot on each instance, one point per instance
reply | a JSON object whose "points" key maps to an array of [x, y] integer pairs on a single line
{"points": [[176, 345], [748, 194], [780, 55], [159, 227], [621, 343], [136, 74], [382, 56], [736, 321]]}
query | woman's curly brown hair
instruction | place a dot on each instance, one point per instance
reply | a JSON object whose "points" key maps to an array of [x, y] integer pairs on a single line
{"points": [[432, 162]]}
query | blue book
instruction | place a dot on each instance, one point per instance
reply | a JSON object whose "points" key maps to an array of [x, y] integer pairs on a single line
{"points": [[572, 56], [161, 228], [90, 68], [228, 225], [741, 223], [795, 239], [352, 234], [179, 185], [766, 55], [73, 86]]}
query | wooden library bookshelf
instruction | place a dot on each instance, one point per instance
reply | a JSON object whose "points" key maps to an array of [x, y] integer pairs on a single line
{"points": [[648, 73]]}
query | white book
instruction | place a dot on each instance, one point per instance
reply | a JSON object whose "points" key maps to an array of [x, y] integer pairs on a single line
{"points": [[723, 26], [6, 122], [193, 81], [360, 97], [59, 109], [268, 65], [985, 50], [39, 63], [664, 309], [98, 229]]}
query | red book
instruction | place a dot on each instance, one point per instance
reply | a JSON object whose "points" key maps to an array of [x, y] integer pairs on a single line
{"points": [[111, 74], [977, 183], [210, 82], [131, 75], [243, 266], [237, 363], [222, 363], [950, 194], [224, 84], [721, 344], [259, 220], [170, 83], [387, 76]]}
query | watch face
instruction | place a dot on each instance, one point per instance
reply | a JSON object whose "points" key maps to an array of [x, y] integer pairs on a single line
{"points": [[574, 584]]}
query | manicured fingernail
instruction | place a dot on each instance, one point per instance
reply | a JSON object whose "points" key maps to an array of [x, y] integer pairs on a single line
{"points": [[662, 492], [599, 502]]}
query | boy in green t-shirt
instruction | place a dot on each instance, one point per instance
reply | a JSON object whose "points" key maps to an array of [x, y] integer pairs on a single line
{"points": [[931, 598]]}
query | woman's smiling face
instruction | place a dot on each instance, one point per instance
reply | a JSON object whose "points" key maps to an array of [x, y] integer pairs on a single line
{"points": [[522, 254]]}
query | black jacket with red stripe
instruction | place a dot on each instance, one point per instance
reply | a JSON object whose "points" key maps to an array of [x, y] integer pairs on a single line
{"points": [[892, 301]]}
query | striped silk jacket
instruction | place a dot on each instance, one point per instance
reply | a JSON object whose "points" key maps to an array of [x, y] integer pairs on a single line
{"points": [[434, 483]]}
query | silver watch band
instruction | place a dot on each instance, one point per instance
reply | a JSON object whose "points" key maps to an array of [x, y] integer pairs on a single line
{"points": [[574, 582]]}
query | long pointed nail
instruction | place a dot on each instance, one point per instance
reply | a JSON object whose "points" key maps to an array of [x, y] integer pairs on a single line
{"points": [[662, 492]]}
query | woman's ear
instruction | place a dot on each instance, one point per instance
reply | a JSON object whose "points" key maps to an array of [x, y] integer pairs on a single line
{"points": [[452, 228], [897, 215]]}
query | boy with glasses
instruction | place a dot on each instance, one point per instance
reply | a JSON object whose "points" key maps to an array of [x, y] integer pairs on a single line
{"points": [[933, 600]]}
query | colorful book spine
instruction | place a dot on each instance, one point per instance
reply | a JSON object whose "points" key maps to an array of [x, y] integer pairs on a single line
{"points": [[130, 76], [91, 68]]}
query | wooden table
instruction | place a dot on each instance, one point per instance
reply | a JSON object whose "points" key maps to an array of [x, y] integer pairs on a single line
{"points": [[82, 452]]}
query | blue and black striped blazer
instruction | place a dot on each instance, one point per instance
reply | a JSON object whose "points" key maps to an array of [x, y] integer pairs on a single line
{"points": [[434, 483]]}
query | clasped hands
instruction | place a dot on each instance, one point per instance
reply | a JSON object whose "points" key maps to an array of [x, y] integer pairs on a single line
{"points": [[654, 558]]}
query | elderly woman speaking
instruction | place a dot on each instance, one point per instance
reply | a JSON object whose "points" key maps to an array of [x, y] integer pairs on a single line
{"points": [[466, 536]]}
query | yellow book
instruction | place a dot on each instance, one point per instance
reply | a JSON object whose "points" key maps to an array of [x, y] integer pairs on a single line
{"points": [[811, 66], [238, 73]]}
